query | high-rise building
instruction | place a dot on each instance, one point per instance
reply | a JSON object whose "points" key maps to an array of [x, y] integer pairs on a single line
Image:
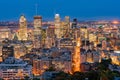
{"points": [[65, 27], [57, 26], [37, 31], [22, 33], [76, 57], [74, 24], [67, 22], [37, 25]]}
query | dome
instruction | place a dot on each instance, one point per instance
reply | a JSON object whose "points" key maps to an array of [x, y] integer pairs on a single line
{"points": [[22, 18]]}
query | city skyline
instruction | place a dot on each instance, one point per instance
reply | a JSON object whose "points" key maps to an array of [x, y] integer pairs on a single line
{"points": [[81, 9], [59, 40]]}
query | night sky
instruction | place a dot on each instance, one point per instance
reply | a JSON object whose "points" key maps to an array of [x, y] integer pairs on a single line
{"points": [[81, 9]]}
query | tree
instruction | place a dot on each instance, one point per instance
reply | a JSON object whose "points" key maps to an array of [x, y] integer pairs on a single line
{"points": [[78, 76], [26, 77], [35, 79], [51, 69], [63, 76], [1, 79]]}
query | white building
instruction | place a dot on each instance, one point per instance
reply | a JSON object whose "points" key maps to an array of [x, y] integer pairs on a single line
{"points": [[12, 69]]}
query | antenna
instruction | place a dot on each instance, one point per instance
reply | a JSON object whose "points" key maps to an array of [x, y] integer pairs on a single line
{"points": [[36, 8], [54, 12]]}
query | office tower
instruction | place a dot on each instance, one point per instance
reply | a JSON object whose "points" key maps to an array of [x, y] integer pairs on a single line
{"points": [[67, 22], [76, 56], [22, 33], [37, 31], [7, 51], [66, 27], [74, 24], [75, 32], [37, 25], [57, 26], [44, 36]]}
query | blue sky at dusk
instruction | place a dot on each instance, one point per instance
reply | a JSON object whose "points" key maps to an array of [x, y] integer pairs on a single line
{"points": [[81, 9]]}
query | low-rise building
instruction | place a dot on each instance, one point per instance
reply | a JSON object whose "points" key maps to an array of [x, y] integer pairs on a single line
{"points": [[12, 69]]}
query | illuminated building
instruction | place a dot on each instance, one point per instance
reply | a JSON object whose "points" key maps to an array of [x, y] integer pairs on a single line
{"points": [[44, 36], [115, 56], [66, 43], [37, 31], [1, 54], [104, 44], [40, 65], [36, 67], [30, 35], [67, 22], [7, 51], [60, 63], [14, 69], [89, 56], [19, 50], [37, 25], [116, 44], [100, 39], [76, 57], [22, 33], [51, 36], [57, 26], [92, 37], [5, 33], [74, 24], [66, 26], [84, 32]]}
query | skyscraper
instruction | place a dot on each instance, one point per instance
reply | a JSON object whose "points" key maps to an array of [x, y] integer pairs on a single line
{"points": [[67, 22], [37, 25], [57, 26], [22, 33], [37, 31], [66, 27]]}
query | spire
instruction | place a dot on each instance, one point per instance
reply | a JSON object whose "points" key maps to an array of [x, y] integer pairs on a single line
{"points": [[15, 37]]}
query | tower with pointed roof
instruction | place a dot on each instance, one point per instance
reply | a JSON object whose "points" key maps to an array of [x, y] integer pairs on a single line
{"points": [[22, 33]]}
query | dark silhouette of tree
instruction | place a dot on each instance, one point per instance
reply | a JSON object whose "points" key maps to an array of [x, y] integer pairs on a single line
{"points": [[26, 78], [63, 76], [35, 79], [51, 69]]}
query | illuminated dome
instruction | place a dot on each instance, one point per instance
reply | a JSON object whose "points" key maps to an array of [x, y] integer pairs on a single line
{"points": [[22, 19], [57, 15]]}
